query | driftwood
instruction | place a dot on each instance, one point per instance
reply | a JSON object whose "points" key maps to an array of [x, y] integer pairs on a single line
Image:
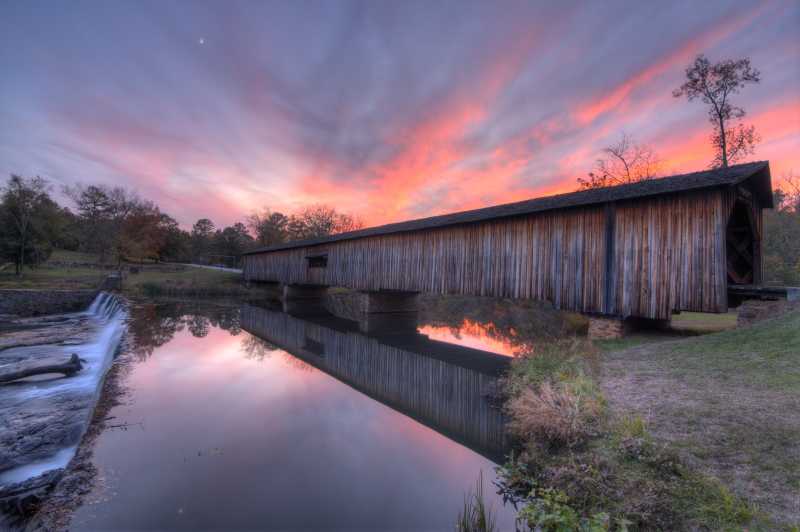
{"points": [[68, 368]]}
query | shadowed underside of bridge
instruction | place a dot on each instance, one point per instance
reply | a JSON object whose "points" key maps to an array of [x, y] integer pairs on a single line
{"points": [[641, 250]]}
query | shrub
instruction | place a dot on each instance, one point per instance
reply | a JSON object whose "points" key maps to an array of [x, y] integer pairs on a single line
{"points": [[548, 413]]}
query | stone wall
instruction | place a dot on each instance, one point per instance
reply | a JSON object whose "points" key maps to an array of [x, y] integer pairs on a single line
{"points": [[606, 328], [16, 303]]}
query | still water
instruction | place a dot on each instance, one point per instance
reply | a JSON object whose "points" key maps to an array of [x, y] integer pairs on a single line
{"points": [[251, 418]]}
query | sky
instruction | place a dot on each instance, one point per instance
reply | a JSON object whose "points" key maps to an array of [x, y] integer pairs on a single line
{"points": [[388, 110]]}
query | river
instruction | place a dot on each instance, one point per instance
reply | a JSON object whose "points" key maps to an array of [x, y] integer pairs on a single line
{"points": [[245, 417]]}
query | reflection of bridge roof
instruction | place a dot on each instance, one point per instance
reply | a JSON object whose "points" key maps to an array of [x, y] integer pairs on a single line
{"points": [[476, 360], [732, 175]]}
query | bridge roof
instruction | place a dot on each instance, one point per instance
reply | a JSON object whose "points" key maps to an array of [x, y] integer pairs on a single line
{"points": [[732, 175]]}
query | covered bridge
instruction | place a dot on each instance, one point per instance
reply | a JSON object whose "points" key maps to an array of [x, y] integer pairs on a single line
{"points": [[641, 250]]}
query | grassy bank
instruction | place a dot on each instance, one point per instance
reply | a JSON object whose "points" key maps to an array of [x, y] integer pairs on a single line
{"points": [[189, 282], [698, 433], [74, 270]]}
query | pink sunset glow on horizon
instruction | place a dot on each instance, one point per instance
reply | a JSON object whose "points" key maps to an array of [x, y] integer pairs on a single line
{"points": [[385, 111]]}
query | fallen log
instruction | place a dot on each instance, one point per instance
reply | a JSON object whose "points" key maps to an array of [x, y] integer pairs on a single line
{"points": [[68, 368]]}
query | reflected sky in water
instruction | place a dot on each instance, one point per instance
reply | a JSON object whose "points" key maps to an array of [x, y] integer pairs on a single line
{"points": [[238, 433], [476, 335]]}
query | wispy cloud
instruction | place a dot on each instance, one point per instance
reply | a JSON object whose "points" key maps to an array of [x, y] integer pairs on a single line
{"points": [[386, 110]]}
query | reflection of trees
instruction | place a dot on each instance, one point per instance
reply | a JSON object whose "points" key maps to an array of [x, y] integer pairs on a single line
{"points": [[255, 348], [228, 321], [154, 324], [198, 325], [297, 363], [150, 328]]}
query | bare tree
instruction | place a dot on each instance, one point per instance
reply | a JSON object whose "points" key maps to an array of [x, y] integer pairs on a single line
{"points": [[622, 163], [789, 187], [714, 85]]}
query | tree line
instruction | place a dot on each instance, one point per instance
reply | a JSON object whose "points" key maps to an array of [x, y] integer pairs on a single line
{"points": [[117, 225]]}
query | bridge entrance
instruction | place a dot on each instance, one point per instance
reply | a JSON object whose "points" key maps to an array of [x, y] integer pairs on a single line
{"points": [[740, 243]]}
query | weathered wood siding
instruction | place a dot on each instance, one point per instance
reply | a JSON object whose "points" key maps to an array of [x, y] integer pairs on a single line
{"points": [[556, 256], [644, 257], [669, 254], [447, 397]]}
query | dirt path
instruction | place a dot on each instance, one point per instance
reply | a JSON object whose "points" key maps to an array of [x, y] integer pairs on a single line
{"points": [[729, 402]]}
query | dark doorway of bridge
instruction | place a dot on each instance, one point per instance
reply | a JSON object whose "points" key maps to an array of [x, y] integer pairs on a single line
{"points": [[740, 245]]}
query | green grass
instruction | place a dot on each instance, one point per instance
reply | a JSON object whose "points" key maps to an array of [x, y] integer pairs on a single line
{"points": [[703, 322], [190, 281], [700, 431], [63, 255], [729, 403], [763, 355], [150, 281], [45, 278]]}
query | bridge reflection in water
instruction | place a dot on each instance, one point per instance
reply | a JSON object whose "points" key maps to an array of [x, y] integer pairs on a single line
{"points": [[441, 385]]}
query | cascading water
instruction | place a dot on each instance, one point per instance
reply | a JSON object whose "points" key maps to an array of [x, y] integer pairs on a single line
{"points": [[43, 419]]}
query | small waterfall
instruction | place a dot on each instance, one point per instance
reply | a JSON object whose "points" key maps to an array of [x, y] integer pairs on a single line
{"points": [[100, 329]]}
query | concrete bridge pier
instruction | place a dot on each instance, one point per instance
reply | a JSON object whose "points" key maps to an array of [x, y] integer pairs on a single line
{"points": [[389, 312], [303, 299]]}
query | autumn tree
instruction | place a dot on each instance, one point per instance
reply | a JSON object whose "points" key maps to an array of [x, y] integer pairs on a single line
{"points": [[116, 222], [715, 85], [144, 232], [622, 163], [269, 227], [318, 221]]}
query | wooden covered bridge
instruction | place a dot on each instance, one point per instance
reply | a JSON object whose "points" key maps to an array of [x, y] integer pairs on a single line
{"points": [[643, 250]]}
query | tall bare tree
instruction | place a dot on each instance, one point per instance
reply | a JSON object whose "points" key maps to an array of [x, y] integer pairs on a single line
{"points": [[622, 163], [714, 85]]}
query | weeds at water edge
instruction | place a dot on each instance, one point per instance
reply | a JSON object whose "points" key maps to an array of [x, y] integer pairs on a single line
{"points": [[476, 516]]}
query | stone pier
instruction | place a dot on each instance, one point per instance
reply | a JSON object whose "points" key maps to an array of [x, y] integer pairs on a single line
{"points": [[606, 327], [611, 327], [389, 312], [303, 299]]}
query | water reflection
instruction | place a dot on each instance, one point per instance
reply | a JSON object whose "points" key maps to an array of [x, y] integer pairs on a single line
{"points": [[485, 336], [256, 419], [154, 324], [442, 385], [501, 326]]}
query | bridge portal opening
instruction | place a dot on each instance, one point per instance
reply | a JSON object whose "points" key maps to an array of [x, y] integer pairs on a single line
{"points": [[740, 245]]}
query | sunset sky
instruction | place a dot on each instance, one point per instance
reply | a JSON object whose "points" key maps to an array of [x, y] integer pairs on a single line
{"points": [[388, 109]]}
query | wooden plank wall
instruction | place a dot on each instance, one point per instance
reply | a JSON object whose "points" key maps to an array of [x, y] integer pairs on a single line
{"points": [[670, 255], [662, 254], [537, 257], [446, 397]]}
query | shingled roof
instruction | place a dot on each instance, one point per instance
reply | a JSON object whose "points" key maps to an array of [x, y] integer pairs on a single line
{"points": [[732, 175]]}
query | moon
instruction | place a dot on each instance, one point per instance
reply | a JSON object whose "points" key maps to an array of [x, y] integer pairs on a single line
{"points": [[202, 40]]}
